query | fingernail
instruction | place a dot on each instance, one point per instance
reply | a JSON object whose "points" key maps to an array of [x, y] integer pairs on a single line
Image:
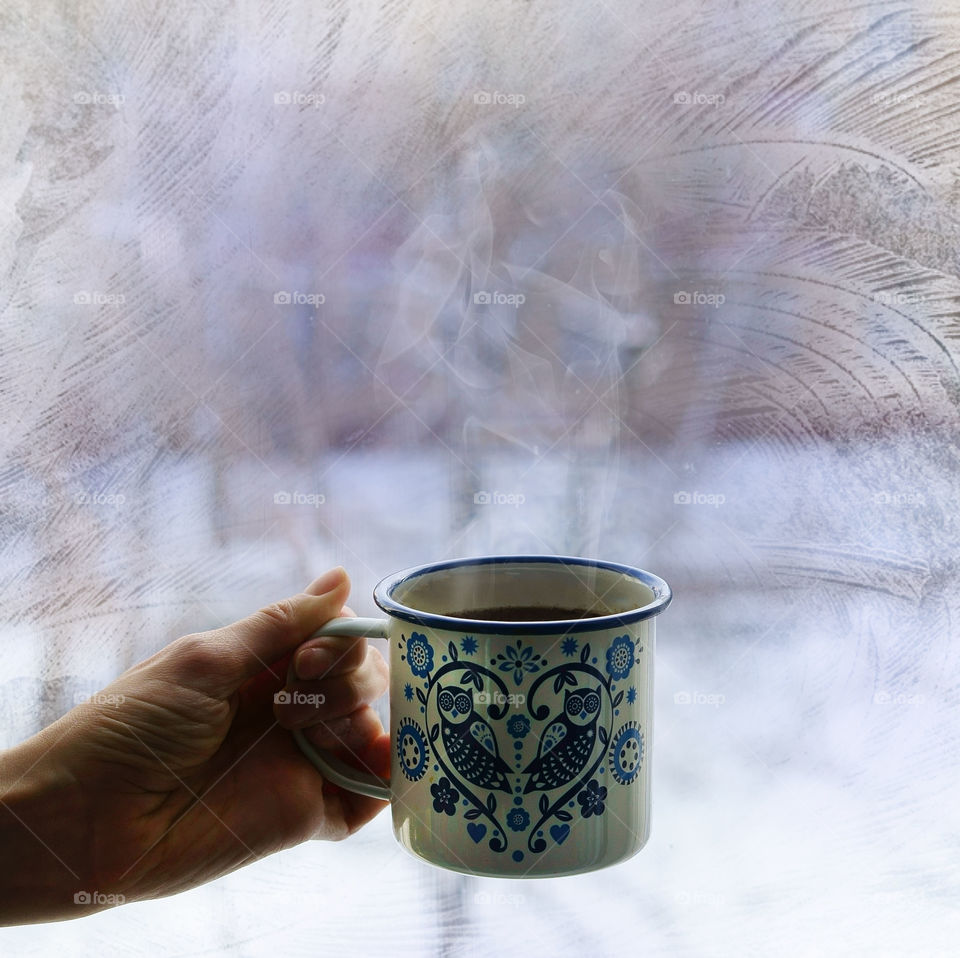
{"points": [[313, 663], [327, 582]]}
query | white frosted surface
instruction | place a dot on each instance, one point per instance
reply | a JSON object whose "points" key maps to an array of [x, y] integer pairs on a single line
{"points": [[790, 169]]}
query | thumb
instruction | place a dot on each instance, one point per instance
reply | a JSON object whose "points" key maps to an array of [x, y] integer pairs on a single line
{"points": [[240, 651]]}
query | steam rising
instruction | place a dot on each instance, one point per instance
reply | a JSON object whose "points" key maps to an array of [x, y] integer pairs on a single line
{"points": [[525, 327]]}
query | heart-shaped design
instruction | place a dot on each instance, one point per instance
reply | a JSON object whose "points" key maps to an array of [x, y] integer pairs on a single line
{"points": [[476, 830], [559, 833]]}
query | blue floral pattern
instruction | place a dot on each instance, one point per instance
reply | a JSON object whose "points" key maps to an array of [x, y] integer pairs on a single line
{"points": [[519, 748], [592, 799], [518, 819], [419, 655], [412, 750], [626, 753], [518, 726], [445, 797], [519, 660], [620, 657]]}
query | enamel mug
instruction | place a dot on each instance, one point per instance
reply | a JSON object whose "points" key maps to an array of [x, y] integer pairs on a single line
{"points": [[521, 731]]}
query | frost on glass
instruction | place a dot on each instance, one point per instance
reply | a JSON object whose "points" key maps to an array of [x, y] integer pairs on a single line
{"points": [[286, 286]]}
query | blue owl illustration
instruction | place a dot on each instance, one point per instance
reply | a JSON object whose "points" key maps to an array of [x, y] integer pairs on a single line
{"points": [[469, 741], [567, 742]]}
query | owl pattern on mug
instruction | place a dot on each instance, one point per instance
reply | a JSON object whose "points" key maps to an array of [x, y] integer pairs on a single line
{"points": [[566, 745], [469, 741], [550, 750]]}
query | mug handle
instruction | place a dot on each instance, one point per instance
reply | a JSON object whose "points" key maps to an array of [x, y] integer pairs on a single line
{"points": [[334, 769]]}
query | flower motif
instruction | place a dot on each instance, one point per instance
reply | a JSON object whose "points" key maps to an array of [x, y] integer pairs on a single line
{"points": [[626, 753], [469, 645], [591, 799], [412, 750], [408, 692], [569, 646], [519, 660], [518, 726], [420, 654], [631, 695], [445, 796], [518, 819], [620, 657]]}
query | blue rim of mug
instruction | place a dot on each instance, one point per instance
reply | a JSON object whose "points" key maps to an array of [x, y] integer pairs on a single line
{"points": [[383, 596]]}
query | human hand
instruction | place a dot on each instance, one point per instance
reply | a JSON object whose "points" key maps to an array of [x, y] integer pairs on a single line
{"points": [[180, 771]]}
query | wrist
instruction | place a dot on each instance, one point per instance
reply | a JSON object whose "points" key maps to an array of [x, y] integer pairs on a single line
{"points": [[44, 864]]}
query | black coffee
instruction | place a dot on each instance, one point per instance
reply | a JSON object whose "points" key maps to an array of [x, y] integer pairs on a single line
{"points": [[529, 613]]}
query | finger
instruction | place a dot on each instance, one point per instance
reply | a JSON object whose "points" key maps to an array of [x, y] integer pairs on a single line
{"points": [[357, 809], [322, 583], [329, 656], [347, 811], [302, 704], [352, 733], [222, 660], [315, 665], [260, 690]]}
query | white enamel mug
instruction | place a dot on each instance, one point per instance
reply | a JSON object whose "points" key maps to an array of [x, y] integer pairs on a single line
{"points": [[521, 745]]}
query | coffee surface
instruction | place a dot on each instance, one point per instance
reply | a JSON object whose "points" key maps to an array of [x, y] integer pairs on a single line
{"points": [[528, 613]]}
